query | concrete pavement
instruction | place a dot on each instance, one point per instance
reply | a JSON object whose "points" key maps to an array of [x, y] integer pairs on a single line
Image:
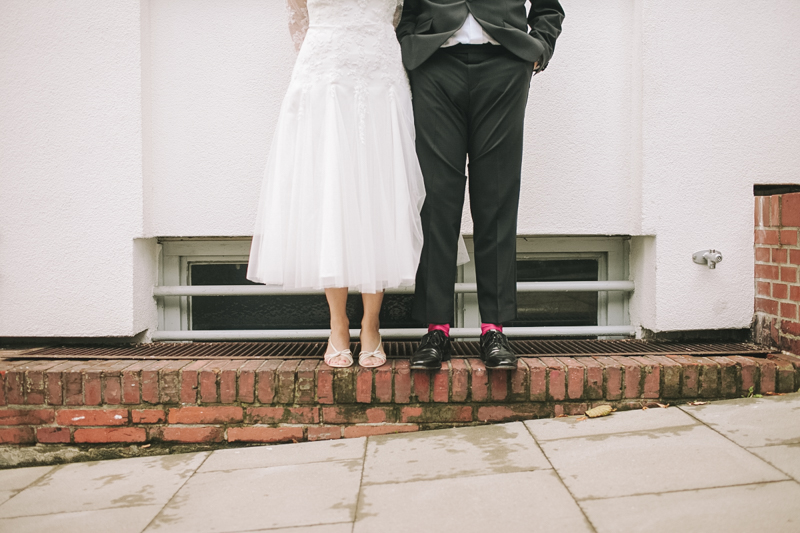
{"points": [[726, 466]]}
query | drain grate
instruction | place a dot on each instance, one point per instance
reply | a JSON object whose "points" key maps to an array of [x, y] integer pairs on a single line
{"points": [[395, 350]]}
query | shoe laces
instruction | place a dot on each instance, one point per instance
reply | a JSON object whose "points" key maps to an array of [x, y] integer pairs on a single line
{"points": [[494, 338], [435, 339]]}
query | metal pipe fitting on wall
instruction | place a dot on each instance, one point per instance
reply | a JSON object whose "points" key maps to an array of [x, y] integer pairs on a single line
{"points": [[707, 257]]}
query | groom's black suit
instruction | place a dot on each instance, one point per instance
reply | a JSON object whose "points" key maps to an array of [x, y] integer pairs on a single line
{"points": [[470, 100]]}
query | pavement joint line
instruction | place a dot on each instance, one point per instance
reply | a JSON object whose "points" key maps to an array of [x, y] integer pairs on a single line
{"points": [[208, 454], [271, 466], [466, 476], [738, 445], [360, 484], [618, 433], [689, 490], [560, 479], [283, 528], [29, 485]]}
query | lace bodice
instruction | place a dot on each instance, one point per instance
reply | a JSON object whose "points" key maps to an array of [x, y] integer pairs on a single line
{"points": [[339, 12]]}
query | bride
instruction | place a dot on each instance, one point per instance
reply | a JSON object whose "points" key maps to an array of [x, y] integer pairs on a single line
{"points": [[342, 194]]}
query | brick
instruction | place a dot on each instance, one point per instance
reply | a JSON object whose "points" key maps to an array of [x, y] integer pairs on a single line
{"points": [[108, 435], [283, 415], [788, 237], [15, 386], [52, 435], [193, 435], [784, 376], [73, 385], [441, 383], [459, 380], [593, 389], [508, 413], [150, 386], [794, 294], [767, 370], [761, 211], [35, 382], [324, 384], [131, 382], [537, 378], [794, 360], [519, 382], [779, 255], [21, 435], [790, 328], [265, 434], [651, 381], [25, 417], [766, 306], [690, 386], [571, 409], [766, 236], [92, 417], [169, 382], [575, 377], [763, 254], [324, 433], [556, 378], [763, 289], [190, 382], [498, 384], [794, 257], [55, 382], [364, 385], [247, 381], [748, 372], [779, 291], [306, 378], [228, 378], [633, 376], [770, 272], [612, 377], [147, 416], [344, 385], [266, 381], [789, 274], [205, 415], [480, 380], [358, 414], [92, 386], [385, 429], [421, 383], [670, 371], [112, 382], [402, 381], [729, 377], [208, 380], [436, 414], [775, 209], [383, 383], [790, 212], [286, 380], [789, 310]]}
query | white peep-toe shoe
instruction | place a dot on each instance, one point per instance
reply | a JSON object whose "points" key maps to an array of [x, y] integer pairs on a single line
{"points": [[329, 357], [377, 353]]}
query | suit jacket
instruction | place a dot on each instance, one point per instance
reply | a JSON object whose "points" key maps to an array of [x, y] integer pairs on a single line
{"points": [[425, 25]]}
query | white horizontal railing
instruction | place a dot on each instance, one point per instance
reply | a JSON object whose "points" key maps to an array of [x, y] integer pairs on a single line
{"points": [[409, 333], [267, 290]]}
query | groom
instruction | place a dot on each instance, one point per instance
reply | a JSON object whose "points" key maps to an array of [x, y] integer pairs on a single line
{"points": [[470, 64]]}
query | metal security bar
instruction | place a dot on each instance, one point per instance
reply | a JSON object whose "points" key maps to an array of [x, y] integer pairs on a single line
{"points": [[408, 333]]}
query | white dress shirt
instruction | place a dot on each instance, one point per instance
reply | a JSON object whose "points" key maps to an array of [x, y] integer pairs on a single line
{"points": [[471, 32]]}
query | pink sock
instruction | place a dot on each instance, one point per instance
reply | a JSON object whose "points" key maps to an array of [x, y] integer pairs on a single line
{"points": [[444, 328], [488, 327]]}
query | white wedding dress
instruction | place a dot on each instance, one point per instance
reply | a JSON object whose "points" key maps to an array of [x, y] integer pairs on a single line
{"points": [[340, 205]]}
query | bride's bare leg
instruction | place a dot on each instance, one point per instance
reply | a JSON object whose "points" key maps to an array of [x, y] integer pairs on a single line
{"points": [[340, 325], [370, 324]]}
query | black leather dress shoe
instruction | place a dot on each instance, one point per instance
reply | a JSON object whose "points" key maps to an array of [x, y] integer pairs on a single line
{"points": [[495, 352], [433, 349]]}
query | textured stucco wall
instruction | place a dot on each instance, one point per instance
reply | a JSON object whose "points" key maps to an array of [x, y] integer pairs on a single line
{"points": [[124, 121], [70, 166]]}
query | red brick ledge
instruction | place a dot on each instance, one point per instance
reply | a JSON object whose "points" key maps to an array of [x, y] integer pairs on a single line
{"points": [[82, 402]]}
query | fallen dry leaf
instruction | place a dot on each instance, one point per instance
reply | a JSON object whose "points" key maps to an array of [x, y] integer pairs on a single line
{"points": [[663, 405], [697, 403], [600, 410], [581, 418]]}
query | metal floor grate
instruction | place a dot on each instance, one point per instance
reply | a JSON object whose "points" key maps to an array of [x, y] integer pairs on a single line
{"points": [[395, 350]]}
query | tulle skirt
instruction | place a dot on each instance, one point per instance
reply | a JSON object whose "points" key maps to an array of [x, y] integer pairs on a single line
{"points": [[342, 193]]}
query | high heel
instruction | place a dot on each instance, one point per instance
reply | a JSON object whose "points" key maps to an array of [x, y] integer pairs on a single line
{"points": [[377, 353], [347, 354]]}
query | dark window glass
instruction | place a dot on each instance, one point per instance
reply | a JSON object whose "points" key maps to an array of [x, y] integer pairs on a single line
{"points": [[279, 312], [556, 308]]}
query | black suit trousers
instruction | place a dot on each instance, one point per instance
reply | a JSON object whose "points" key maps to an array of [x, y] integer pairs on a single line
{"points": [[470, 100]]}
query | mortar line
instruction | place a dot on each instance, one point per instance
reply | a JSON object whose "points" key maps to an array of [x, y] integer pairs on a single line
{"points": [[177, 491], [560, 479], [360, 483]]}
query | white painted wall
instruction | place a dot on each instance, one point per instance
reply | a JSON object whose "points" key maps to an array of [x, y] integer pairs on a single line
{"points": [[124, 121]]}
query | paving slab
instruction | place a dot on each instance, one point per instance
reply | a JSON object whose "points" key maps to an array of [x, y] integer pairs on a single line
{"points": [[785, 458], [515, 502], [19, 478], [263, 498], [123, 520], [622, 422], [753, 421], [104, 484], [295, 454], [452, 452], [343, 527], [669, 459], [765, 507]]}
